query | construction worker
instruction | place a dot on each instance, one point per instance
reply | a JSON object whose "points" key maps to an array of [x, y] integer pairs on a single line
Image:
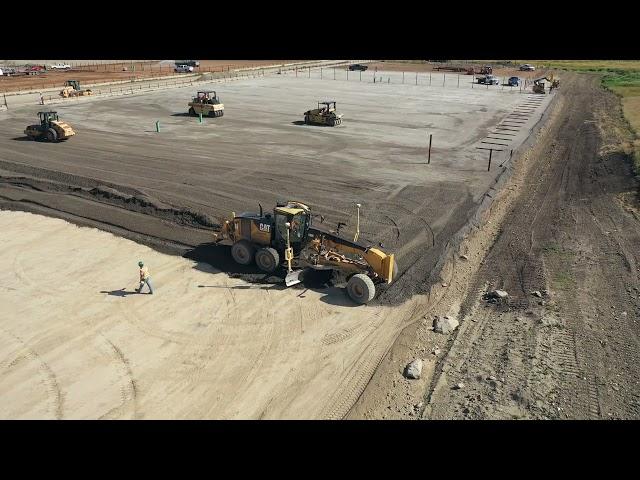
{"points": [[41, 99], [145, 278]]}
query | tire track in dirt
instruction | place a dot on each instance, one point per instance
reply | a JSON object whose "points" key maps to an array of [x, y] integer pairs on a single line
{"points": [[50, 379]]}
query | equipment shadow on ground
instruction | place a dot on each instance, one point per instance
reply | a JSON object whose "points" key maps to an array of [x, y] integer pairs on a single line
{"points": [[210, 257], [314, 125], [22, 139]]}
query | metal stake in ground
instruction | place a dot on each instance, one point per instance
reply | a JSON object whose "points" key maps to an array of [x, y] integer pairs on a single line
{"points": [[429, 154], [157, 126]]}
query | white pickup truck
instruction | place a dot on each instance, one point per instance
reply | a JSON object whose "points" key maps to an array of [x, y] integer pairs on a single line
{"points": [[183, 69], [60, 66]]}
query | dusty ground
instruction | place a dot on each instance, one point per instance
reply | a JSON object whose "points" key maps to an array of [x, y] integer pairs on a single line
{"points": [[169, 190], [568, 224], [78, 342]]}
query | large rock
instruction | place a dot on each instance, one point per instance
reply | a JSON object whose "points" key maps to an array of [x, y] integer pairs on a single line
{"points": [[445, 325], [414, 369], [499, 294]]}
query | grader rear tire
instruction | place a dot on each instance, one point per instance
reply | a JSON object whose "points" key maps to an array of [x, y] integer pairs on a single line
{"points": [[267, 259], [361, 289], [243, 252]]}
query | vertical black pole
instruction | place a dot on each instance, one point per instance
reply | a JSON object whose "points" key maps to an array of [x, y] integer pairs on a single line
{"points": [[429, 156], [490, 152]]}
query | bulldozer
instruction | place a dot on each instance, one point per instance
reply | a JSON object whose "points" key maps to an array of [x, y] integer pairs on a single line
{"points": [[325, 114], [206, 102], [539, 85], [72, 89], [288, 238], [51, 128]]}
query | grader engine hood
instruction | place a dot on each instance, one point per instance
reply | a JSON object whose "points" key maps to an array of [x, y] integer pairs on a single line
{"points": [[383, 264]]}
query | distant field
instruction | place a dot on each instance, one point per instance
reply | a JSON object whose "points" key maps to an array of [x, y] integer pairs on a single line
{"points": [[620, 76]]}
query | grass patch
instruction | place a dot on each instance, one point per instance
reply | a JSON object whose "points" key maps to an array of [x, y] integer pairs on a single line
{"points": [[557, 251], [563, 281]]}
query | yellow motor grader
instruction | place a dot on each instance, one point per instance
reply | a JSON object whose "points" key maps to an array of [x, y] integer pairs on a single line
{"points": [[51, 128], [325, 114], [287, 237], [72, 89], [539, 85]]}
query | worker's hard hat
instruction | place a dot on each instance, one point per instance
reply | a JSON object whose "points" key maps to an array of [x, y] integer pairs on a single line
{"points": [[140, 263]]}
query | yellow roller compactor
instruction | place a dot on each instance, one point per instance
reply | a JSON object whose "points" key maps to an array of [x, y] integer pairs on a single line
{"points": [[72, 89], [207, 103], [325, 114], [51, 128], [287, 237]]}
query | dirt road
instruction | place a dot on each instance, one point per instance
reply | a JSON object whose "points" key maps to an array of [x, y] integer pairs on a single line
{"points": [[572, 234]]}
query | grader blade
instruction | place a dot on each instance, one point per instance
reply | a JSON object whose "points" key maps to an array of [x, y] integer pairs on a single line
{"points": [[292, 278]]}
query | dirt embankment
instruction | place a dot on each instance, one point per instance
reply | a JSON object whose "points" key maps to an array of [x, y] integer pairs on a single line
{"points": [[565, 343]]}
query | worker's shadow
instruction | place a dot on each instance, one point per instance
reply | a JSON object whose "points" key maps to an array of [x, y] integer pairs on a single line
{"points": [[119, 293]]}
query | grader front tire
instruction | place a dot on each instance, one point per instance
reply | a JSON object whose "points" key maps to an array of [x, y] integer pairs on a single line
{"points": [[361, 289]]}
